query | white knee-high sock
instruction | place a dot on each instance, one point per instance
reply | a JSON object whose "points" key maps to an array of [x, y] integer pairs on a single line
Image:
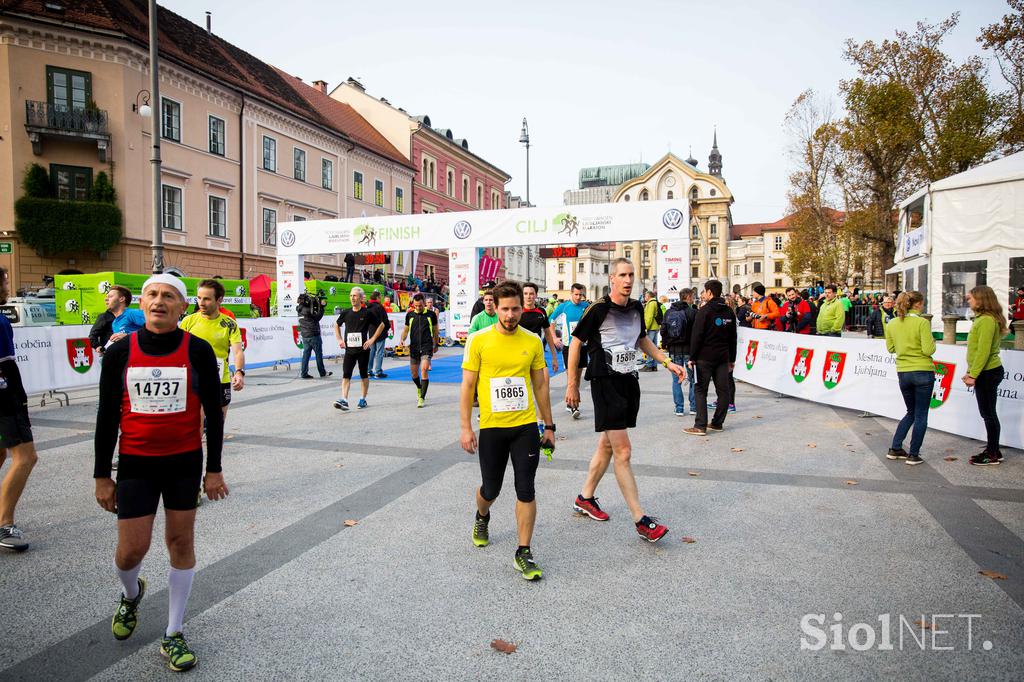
{"points": [[179, 586], [130, 580]]}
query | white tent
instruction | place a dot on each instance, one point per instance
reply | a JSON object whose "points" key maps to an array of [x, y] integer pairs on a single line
{"points": [[962, 231]]}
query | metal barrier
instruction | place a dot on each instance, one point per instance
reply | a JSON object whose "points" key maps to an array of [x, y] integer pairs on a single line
{"points": [[859, 315]]}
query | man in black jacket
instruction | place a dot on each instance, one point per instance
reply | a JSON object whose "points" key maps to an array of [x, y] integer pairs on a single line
{"points": [[350, 267], [880, 317], [101, 331], [311, 311], [713, 355]]}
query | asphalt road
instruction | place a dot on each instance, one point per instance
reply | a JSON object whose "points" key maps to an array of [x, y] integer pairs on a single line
{"points": [[794, 511]]}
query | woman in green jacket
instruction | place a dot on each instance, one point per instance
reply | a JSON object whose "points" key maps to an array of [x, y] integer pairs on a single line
{"points": [[909, 337], [984, 368]]}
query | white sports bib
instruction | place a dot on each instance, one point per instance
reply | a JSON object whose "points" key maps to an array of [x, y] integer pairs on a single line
{"points": [[157, 390], [354, 340], [623, 359], [508, 394]]}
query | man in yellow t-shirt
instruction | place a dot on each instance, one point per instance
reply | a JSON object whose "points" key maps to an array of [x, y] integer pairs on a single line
{"points": [[222, 333], [504, 364]]}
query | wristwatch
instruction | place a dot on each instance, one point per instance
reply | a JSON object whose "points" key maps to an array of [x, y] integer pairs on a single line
{"points": [[665, 363], [240, 371], [549, 427]]}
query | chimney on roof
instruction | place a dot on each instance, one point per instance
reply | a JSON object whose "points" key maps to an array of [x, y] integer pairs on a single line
{"points": [[209, 23], [321, 86], [356, 84]]}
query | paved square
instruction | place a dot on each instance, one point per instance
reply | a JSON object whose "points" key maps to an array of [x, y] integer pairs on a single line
{"points": [[284, 590]]}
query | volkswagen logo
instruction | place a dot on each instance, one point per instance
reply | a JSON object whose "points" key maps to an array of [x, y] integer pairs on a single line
{"points": [[157, 373], [463, 229], [288, 238], [672, 219]]}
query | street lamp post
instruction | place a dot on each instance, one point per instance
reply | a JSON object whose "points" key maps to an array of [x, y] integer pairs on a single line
{"points": [[155, 128], [524, 138]]}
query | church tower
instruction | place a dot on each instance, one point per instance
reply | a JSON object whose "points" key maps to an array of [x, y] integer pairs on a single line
{"points": [[715, 159]]}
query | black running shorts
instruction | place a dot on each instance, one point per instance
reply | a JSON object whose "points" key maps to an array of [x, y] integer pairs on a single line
{"points": [[15, 428], [143, 481], [416, 353], [497, 445], [225, 395], [354, 357], [616, 401]]}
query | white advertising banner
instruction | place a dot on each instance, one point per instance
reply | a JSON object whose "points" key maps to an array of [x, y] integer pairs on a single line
{"points": [[673, 263], [463, 285], [290, 283], [510, 227], [60, 357], [860, 374]]}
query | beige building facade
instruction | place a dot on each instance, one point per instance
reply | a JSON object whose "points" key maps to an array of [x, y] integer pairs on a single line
{"points": [[757, 254], [590, 268], [710, 218], [244, 146]]}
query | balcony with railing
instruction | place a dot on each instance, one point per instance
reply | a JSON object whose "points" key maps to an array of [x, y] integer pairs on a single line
{"points": [[43, 119]]}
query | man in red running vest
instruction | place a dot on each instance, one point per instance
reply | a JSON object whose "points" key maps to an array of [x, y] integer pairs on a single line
{"points": [[153, 384]]}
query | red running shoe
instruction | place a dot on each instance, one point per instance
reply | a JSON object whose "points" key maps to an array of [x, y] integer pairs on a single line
{"points": [[590, 508], [650, 530]]}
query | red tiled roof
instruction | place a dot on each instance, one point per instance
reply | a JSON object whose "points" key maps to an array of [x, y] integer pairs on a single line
{"points": [[754, 229], [190, 45], [343, 117]]}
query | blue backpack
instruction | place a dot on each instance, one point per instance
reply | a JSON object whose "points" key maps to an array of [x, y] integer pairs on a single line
{"points": [[673, 328]]}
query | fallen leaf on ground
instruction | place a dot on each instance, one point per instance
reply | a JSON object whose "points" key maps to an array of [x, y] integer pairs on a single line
{"points": [[693, 473], [688, 540], [951, 458], [848, 445], [757, 416], [993, 575], [351, 522], [866, 433], [338, 466], [228, 437], [503, 646], [736, 449], [812, 445], [925, 625], [851, 482]]}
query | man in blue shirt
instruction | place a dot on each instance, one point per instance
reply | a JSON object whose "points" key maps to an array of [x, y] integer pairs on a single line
{"points": [[126, 320], [566, 314]]}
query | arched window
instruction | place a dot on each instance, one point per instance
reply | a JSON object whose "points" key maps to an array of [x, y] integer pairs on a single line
{"points": [[426, 172], [694, 194], [450, 185], [643, 195], [465, 190], [670, 195]]}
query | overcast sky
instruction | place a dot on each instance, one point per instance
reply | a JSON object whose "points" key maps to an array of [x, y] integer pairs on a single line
{"points": [[600, 82]]}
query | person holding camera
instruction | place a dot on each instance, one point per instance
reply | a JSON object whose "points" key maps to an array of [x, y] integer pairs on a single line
{"points": [[311, 311]]}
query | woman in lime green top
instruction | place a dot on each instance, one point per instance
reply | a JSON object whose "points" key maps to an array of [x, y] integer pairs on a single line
{"points": [[909, 337], [984, 368]]}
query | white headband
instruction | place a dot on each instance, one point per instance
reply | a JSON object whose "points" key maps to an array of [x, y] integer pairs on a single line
{"points": [[171, 280]]}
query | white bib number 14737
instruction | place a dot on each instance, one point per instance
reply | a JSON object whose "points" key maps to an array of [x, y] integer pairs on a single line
{"points": [[157, 390], [354, 340], [508, 394]]}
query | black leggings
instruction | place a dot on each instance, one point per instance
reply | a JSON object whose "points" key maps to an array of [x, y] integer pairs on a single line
{"points": [[986, 387], [361, 357], [522, 443]]}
